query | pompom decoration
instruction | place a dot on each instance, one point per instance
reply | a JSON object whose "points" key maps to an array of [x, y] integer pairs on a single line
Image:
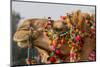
{"points": [[63, 41], [58, 52], [63, 17], [52, 59], [53, 47], [77, 38]]}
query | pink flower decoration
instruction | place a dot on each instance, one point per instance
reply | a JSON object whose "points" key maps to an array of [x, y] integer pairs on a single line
{"points": [[53, 47], [63, 17], [77, 38], [58, 52]]}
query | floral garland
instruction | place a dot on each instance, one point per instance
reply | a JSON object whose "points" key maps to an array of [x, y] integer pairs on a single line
{"points": [[73, 37]]}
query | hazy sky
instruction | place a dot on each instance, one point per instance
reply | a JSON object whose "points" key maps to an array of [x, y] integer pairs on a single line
{"points": [[39, 10]]}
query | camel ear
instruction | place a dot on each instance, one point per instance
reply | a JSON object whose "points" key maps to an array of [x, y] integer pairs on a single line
{"points": [[21, 35]]}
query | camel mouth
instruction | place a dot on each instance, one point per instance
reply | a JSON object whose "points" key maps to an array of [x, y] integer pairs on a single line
{"points": [[23, 44]]}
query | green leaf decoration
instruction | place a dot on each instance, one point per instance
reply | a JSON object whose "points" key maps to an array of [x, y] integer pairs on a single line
{"points": [[51, 54]]}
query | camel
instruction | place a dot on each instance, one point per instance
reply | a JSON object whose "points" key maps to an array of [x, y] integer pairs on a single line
{"points": [[35, 28]]}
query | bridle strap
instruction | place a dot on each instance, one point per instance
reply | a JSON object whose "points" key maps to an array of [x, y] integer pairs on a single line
{"points": [[30, 44]]}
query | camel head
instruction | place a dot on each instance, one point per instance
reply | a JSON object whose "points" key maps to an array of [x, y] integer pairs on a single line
{"points": [[27, 28]]}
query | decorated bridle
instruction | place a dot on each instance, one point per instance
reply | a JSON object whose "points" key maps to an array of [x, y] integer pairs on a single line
{"points": [[30, 45]]}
